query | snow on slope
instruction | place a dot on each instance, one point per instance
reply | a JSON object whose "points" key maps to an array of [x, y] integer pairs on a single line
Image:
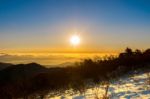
{"points": [[127, 87]]}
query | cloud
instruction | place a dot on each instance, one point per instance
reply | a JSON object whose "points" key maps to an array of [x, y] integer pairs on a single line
{"points": [[45, 60]]}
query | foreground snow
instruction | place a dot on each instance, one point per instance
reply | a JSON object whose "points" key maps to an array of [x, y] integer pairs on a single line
{"points": [[128, 87]]}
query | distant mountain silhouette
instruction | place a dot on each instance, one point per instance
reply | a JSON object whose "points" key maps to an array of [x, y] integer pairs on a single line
{"points": [[4, 65], [66, 64], [21, 71]]}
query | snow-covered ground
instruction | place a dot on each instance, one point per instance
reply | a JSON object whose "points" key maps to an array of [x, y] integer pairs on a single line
{"points": [[127, 87]]}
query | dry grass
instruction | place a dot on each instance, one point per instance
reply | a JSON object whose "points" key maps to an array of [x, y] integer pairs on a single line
{"points": [[100, 93], [147, 82]]}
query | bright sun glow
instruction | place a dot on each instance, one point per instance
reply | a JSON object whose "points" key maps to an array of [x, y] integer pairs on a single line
{"points": [[75, 40]]}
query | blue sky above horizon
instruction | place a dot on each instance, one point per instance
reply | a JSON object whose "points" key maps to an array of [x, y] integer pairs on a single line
{"points": [[103, 25]]}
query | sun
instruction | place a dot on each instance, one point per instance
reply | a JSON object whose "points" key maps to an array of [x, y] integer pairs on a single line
{"points": [[75, 40]]}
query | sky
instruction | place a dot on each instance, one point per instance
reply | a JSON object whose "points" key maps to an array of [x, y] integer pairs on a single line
{"points": [[47, 25]]}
